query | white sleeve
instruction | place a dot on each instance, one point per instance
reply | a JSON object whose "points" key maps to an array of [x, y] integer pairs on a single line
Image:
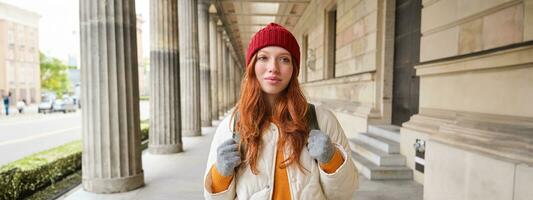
{"points": [[342, 183], [222, 134]]}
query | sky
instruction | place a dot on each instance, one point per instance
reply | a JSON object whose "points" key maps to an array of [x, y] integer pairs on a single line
{"points": [[59, 25]]}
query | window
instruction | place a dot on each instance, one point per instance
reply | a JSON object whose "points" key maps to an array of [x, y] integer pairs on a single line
{"points": [[304, 63], [20, 34], [10, 72], [330, 25], [22, 74], [31, 45], [10, 38], [31, 76]]}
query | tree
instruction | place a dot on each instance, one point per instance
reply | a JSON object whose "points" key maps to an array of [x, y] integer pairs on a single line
{"points": [[54, 75]]}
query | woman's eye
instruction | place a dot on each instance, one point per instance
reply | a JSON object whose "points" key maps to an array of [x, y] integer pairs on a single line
{"points": [[262, 58], [285, 60]]}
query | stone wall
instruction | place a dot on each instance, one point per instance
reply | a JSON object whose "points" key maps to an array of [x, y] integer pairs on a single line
{"points": [[358, 91], [456, 173], [455, 27], [476, 79]]}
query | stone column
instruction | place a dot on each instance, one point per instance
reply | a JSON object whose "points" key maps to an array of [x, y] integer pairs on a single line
{"points": [[213, 64], [237, 82], [111, 160], [165, 129], [231, 81], [224, 73], [203, 42], [226, 77], [220, 74], [189, 67]]}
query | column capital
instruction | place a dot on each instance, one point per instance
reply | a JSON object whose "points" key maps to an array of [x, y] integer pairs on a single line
{"points": [[214, 17], [220, 29]]}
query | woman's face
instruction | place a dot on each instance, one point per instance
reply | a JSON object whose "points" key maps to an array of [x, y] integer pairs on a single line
{"points": [[273, 68]]}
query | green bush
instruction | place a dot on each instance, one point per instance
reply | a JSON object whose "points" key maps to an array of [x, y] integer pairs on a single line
{"points": [[144, 130], [144, 134], [23, 177], [144, 98], [59, 188]]}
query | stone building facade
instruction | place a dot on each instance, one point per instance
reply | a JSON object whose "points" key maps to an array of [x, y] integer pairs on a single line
{"points": [[456, 76], [432, 90], [19, 54]]}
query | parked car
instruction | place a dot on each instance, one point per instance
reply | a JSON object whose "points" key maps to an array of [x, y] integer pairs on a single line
{"points": [[64, 105], [46, 106]]}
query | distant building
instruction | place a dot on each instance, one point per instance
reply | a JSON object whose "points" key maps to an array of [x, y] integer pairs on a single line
{"points": [[143, 88], [19, 54]]}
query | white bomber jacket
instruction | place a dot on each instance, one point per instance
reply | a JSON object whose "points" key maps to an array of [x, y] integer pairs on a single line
{"points": [[311, 184]]}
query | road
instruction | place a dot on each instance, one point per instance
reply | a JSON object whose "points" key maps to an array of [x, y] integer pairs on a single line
{"points": [[24, 134], [19, 138]]}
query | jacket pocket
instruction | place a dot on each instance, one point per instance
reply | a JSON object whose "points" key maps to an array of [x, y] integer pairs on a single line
{"points": [[263, 194]]}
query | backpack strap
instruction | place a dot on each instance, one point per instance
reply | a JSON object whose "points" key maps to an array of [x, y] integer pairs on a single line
{"points": [[312, 121], [236, 136]]}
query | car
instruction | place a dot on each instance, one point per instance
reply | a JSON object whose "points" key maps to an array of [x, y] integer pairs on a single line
{"points": [[63, 105], [46, 106]]}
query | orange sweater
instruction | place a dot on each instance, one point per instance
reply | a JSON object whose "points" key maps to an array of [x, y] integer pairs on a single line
{"points": [[281, 180]]}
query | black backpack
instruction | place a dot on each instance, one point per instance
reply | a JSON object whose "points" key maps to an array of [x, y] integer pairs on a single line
{"points": [[311, 119]]}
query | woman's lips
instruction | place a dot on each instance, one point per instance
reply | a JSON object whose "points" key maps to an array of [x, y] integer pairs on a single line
{"points": [[272, 80]]}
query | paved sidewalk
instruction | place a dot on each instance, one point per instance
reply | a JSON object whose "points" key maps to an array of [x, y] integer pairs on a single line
{"points": [[179, 176], [176, 176], [30, 112], [388, 190]]}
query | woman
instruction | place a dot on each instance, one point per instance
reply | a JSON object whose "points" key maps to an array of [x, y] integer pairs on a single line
{"points": [[275, 154]]}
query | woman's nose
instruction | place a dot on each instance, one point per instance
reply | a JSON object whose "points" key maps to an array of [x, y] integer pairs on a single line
{"points": [[273, 66]]}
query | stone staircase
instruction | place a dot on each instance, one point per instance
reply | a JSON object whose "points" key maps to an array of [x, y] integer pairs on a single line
{"points": [[377, 154]]}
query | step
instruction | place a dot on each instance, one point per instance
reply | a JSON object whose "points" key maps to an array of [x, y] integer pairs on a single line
{"points": [[376, 156], [381, 143], [391, 132], [374, 172]]}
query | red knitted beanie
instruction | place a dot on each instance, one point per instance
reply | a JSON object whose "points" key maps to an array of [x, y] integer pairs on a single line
{"points": [[274, 35]]}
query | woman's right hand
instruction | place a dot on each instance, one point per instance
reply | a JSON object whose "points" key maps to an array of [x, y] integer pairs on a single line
{"points": [[228, 157]]}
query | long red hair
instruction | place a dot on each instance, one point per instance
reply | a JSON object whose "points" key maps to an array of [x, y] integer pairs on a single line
{"points": [[255, 115]]}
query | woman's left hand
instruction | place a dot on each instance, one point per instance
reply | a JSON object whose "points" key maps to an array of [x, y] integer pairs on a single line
{"points": [[320, 146]]}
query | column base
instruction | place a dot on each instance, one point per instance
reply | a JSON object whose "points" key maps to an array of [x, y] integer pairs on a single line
{"points": [[165, 149], [113, 185], [191, 133]]}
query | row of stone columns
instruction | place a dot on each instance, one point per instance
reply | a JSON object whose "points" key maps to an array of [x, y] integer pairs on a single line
{"points": [[195, 79]]}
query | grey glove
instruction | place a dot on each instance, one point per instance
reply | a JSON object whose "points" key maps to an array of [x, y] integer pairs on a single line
{"points": [[228, 157], [320, 146]]}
